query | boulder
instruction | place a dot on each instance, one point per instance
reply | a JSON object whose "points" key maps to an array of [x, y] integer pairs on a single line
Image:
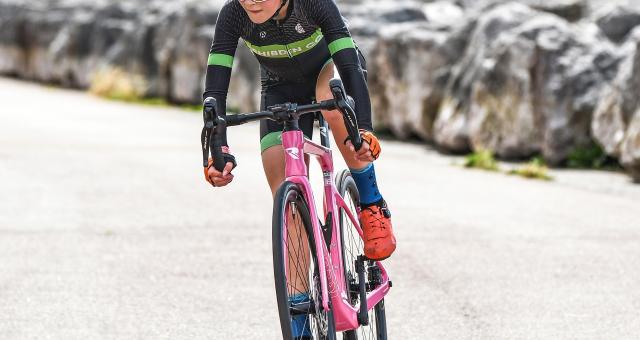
{"points": [[451, 127], [616, 21], [407, 69], [616, 122], [571, 10], [527, 84]]}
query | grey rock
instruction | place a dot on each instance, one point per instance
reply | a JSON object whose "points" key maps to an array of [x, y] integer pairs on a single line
{"points": [[451, 128], [571, 10], [616, 122], [444, 13], [527, 84], [365, 20], [407, 69], [617, 21]]}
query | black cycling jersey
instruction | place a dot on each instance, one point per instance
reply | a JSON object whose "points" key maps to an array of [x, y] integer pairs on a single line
{"points": [[292, 50]]}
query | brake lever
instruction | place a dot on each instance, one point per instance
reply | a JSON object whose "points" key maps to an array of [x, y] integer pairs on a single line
{"points": [[346, 104], [211, 137]]}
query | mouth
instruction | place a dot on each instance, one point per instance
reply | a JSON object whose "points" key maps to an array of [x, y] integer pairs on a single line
{"points": [[254, 11]]}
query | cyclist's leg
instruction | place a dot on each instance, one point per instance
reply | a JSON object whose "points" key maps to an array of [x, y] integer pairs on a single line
{"points": [[375, 217], [334, 118]]}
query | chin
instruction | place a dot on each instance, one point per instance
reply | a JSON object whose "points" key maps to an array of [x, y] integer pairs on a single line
{"points": [[259, 18]]}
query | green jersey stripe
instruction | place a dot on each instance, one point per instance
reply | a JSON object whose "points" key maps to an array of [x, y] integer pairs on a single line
{"points": [[341, 44], [221, 60], [287, 51]]}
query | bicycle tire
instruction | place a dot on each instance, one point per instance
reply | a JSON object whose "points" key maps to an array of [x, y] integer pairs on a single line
{"points": [[289, 201], [352, 246]]}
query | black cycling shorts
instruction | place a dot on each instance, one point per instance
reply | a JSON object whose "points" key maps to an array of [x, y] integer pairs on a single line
{"points": [[278, 91]]}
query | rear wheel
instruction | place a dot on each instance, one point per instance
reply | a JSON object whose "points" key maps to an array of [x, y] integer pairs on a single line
{"points": [[352, 247], [296, 269]]}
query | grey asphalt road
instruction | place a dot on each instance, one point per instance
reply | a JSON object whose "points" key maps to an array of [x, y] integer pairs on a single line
{"points": [[108, 231]]}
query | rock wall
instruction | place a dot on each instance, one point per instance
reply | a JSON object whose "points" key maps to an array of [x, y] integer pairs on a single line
{"points": [[166, 43], [518, 78]]}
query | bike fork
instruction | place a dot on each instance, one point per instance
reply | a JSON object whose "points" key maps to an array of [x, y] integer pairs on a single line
{"points": [[363, 315]]}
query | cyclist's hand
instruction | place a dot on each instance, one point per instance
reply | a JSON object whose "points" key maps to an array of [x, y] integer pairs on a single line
{"points": [[217, 178], [370, 150]]}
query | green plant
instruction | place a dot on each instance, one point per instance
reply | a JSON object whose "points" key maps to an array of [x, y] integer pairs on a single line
{"points": [[587, 157], [115, 83], [535, 169], [481, 159]]}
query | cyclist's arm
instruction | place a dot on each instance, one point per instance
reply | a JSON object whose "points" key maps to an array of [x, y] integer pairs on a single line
{"points": [[344, 55], [223, 48]]}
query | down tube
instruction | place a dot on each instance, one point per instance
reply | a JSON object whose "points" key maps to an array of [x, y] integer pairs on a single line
{"points": [[345, 315]]}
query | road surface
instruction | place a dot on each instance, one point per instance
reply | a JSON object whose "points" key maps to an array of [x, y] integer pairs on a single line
{"points": [[108, 231]]}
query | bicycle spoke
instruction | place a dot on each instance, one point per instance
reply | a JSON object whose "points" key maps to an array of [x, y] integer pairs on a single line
{"points": [[296, 254]]}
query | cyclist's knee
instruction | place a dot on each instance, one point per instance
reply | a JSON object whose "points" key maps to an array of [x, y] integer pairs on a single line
{"points": [[324, 93], [332, 116]]}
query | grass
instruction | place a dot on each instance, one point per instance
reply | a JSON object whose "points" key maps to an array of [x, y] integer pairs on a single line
{"points": [[481, 159], [535, 169], [117, 84], [485, 160], [589, 157], [592, 157]]}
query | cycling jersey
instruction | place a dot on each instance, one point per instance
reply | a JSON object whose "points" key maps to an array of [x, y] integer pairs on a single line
{"points": [[291, 50]]}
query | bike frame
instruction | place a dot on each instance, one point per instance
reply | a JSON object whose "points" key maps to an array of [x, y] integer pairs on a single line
{"points": [[332, 281]]}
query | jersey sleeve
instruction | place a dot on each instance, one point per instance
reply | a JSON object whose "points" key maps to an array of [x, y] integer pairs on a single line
{"points": [[220, 62], [326, 15]]}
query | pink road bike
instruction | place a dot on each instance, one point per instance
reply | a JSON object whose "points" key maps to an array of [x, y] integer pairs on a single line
{"points": [[322, 259]]}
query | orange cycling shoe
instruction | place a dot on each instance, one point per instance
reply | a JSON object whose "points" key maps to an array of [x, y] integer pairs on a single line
{"points": [[379, 242]]}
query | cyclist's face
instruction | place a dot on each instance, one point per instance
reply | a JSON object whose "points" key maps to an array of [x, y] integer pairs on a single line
{"points": [[260, 11]]}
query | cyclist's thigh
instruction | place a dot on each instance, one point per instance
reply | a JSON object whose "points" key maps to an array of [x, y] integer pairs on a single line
{"points": [[329, 71], [301, 93]]}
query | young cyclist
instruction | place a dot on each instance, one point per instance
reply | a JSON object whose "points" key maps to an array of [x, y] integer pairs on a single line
{"points": [[297, 43]]}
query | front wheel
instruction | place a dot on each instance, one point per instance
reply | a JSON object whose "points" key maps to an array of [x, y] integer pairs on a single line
{"points": [[295, 267], [352, 247]]}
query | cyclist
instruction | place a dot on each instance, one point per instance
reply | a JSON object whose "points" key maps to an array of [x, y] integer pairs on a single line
{"points": [[297, 43]]}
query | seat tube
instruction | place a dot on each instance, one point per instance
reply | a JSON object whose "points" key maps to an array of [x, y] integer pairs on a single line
{"points": [[293, 144]]}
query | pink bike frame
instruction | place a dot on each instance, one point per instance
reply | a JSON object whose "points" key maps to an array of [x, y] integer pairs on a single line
{"points": [[332, 281]]}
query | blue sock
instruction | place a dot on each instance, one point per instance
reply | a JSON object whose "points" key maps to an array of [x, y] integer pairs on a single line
{"points": [[367, 185], [300, 323]]}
